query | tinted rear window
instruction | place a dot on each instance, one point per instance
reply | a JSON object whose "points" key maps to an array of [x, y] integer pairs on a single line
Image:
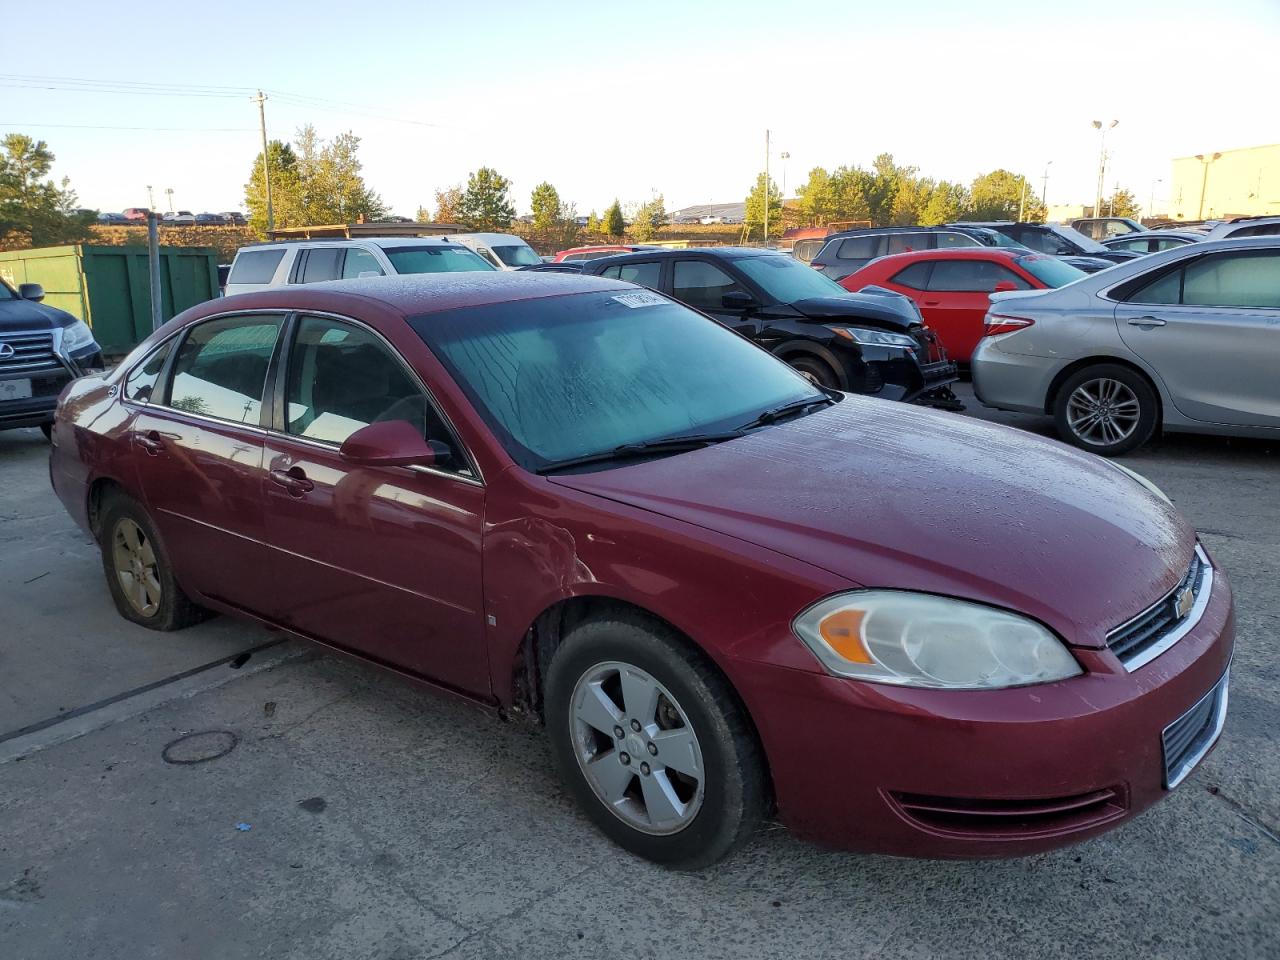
{"points": [[255, 266]]}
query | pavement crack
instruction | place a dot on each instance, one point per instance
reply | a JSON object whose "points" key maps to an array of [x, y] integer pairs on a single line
{"points": [[1247, 815], [299, 722]]}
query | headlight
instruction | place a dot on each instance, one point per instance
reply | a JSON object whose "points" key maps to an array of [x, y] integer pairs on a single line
{"points": [[1144, 481], [878, 338], [920, 640], [76, 337]]}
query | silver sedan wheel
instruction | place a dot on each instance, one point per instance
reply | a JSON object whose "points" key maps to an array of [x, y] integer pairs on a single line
{"points": [[636, 748], [1103, 412], [134, 560]]}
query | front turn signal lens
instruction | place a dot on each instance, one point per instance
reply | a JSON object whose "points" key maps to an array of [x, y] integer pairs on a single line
{"points": [[842, 632]]}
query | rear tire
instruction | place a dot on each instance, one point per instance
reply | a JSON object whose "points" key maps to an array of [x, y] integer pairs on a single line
{"points": [[138, 570], [1107, 409], [659, 703]]}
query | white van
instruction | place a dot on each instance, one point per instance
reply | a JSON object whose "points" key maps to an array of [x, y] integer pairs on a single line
{"points": [[504, 250], [282, 262]]}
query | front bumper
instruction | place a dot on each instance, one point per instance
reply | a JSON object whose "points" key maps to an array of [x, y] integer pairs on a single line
{"points": [[47, 382], [936, 773]]}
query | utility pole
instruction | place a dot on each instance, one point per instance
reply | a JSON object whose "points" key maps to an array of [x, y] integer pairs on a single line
{"points": [[153, 268], [1102, 162], [766, 188], [261, 100], [1022, 200]]}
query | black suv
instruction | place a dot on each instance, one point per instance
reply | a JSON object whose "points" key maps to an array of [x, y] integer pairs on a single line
{"points": [[41, 349], [871, 342], [1053, 239], [847, 252]]}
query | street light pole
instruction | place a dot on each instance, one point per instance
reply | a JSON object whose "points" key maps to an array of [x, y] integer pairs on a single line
{"points": [[151, 198], [168, 192], [785, 157], [1204, 180], [1044, 188], [261, 100], [1151, 204], [766, 188], [1102, 162]]}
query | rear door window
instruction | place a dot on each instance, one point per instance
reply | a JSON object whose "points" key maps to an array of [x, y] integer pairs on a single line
{"points": [[221, 367], [858, 248], [359, 261], [255, 266], [1225, 280], [948, 239], [906, 242], [646, 274], [702, 285], [915, 276], [321, 263]]}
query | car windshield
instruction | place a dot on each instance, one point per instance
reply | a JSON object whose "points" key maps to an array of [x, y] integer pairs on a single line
{"points": [[1050, 272], [436, 259], [786, 280], [1087, 244], [517, 255], [1004, 240], [559, 378]]}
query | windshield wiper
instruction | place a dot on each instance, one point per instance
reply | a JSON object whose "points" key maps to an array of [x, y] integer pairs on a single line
{"points": [[774, 414], [644, 448]]}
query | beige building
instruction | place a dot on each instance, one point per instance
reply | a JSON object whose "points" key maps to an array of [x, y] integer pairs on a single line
{"points": [[1227, 183]]}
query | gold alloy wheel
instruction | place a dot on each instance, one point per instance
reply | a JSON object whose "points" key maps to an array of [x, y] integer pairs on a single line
{"points": [[134, 560]]}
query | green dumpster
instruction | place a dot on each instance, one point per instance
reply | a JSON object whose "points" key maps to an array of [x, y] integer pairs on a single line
{"points": [[108, 287]]}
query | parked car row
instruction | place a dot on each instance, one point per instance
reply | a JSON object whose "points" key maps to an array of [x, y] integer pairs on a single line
{"points": [[180, 218]]}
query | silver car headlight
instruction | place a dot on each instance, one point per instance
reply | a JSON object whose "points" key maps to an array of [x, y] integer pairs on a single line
{"points": [[77, 336], [879, 338], [922, 640], [1134, 474]]}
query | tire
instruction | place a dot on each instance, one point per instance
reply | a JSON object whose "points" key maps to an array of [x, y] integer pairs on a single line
{"points": [[1107, 409], [128, 534], [816, 369], [695, 718]]}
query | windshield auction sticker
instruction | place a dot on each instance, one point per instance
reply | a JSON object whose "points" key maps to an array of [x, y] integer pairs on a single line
{"points": [[641, 298]]}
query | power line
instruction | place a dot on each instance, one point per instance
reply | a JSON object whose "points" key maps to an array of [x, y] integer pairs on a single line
{"points": [[94, 126]]}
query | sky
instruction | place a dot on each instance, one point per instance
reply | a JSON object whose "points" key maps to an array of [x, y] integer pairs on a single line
{"points": [[623, 100]]}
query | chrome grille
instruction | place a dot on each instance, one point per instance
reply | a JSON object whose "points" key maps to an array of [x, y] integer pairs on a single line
{"points": [[32, 354], [1140, 640]]}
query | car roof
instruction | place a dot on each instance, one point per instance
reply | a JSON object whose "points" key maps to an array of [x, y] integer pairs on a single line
{"points": [[351, 242], [876, 231], [1146, 234], [488, 237], [718, 253], [415, 294], [960, 253]]}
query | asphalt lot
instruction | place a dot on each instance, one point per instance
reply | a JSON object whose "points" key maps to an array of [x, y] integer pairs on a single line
{"points": [[383, 822]]}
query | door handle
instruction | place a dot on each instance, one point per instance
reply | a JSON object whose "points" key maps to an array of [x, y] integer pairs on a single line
{"points": [[149, 441], [1146, 322], [294, 480], [930, 303]]}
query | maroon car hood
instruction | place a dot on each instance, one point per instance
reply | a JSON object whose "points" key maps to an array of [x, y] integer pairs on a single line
{"points": [[892, 495]]}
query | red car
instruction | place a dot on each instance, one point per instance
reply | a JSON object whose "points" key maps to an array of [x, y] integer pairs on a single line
{"points": [[591, 253], [953, 287], [720, 587]]}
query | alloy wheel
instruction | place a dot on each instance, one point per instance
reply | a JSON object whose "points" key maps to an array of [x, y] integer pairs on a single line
{"points": [[134, 559], [636, 748], [1103, 412]]}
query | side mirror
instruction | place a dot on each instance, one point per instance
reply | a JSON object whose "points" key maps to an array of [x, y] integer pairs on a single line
{"points": [[31, 291], [1004, 286], [737, 300], [392, 443]]}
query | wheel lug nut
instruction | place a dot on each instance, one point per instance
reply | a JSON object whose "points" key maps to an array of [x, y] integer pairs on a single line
{"points": [[625, 758], [635, 725], [618, 732], [653, 749], [644, 768]]}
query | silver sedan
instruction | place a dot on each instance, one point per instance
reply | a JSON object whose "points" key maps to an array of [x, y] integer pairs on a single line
{"points": [[1186, 339]]}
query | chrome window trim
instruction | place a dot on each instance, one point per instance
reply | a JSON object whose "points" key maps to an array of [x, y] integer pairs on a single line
{"points": [[123, 377], [1189, 623], [476, 476], [329, 447], [1173, 778]]}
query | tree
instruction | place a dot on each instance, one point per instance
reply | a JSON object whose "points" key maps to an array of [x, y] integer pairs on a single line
{"points": [[884, 183], [909, 201], [649, 219], [449, 205], [613, 224], [998, 195], [947, 202], [593, 223], [486, 203], [545, 203], [317, 182], [819, 198], [1122, 203], [34, 211], [755, 207], [851, 185]]}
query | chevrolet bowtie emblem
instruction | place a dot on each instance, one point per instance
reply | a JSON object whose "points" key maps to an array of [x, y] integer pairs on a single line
{"points": [[1184, 601]]}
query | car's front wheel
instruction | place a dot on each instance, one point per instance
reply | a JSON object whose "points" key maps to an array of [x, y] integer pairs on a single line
{"points": [[1106, 409], [139, 574], [816, 369], [651, 741]]}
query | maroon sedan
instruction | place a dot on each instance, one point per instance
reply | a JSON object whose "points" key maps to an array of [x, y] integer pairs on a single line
{"points": [[720, 587]]}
